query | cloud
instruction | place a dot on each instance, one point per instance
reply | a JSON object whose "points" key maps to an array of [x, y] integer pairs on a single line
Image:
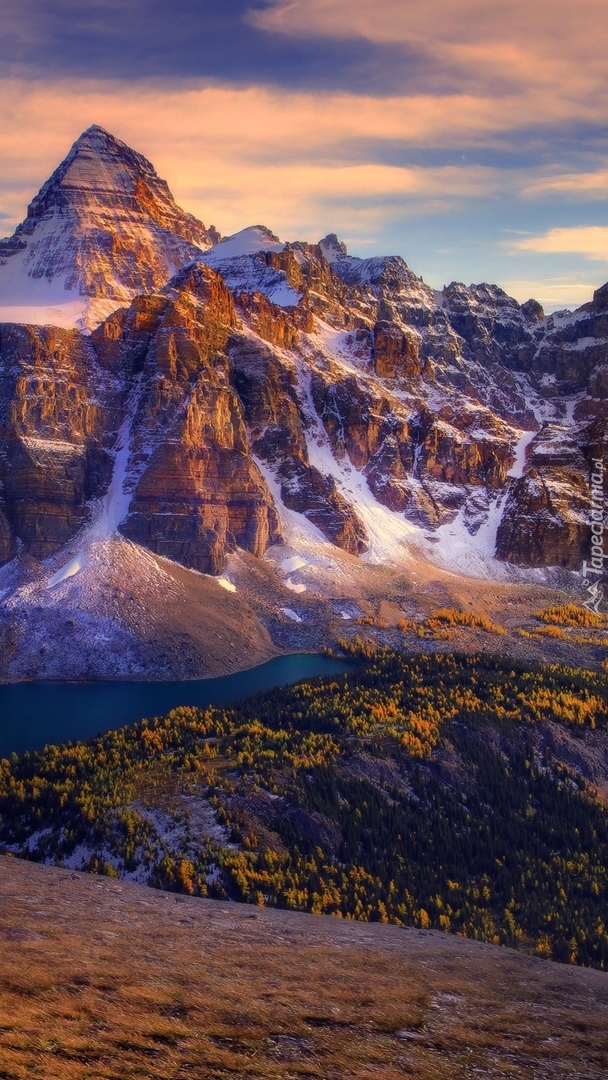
{"points": [[548, 25], [553, 293], [588, 240], [496, 47], [420, 175], [297, 162], [590, 185], [142, 39], [502, 77]]}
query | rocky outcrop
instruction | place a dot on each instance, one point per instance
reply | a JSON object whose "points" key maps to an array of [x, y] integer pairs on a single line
{"points": [[58, 411], [356, 415], [197, 493], [396, 352], [453, 456], [267, 385], [546, 516], [273, 323], [161, 364], [317, 497], [494, 326], [545, 521]]}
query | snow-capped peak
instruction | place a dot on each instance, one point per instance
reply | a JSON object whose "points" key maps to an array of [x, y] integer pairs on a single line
{"points": [[246, 242], [97, 162], [101, 230]]}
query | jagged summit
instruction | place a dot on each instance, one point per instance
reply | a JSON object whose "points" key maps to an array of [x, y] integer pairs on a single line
{"points": [[101, 164], [101, 230], [332, 248]]}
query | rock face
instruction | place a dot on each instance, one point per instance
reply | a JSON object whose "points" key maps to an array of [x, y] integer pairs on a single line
{"points": [[395, 352], [547, 513], [197, 493], [161, 367], [57, 408], [103, 229], [308, 491], [246, 378]]}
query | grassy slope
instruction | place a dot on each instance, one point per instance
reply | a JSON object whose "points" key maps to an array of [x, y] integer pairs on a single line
{"points": [[101, 979]]}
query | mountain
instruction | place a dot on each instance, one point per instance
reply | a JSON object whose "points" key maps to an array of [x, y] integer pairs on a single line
{"points": [[323, 435], [103, 229]]}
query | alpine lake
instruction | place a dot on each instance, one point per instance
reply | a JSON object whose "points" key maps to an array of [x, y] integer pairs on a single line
{"points": [[33, 714]]}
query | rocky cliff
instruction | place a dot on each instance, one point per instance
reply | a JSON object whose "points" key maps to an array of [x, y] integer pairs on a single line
{"points": [[246, 384]]}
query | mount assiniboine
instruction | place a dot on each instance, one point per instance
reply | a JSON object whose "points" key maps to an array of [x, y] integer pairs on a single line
{"points": [[216, 449]]}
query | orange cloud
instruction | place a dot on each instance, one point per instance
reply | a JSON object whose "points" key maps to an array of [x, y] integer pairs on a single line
{"points": [[552, 24], [238, 156], [591, 185], [588, 240], [302, 163]]}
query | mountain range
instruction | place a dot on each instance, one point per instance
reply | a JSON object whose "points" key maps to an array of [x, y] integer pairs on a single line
{"points": [[215, 448]]}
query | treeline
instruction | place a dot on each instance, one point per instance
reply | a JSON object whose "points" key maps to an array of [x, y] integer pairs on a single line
{"points": [[418, 790]]}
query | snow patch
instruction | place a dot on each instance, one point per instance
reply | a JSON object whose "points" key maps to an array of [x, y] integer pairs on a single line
{"points": [[116, 501], [113, 509], [295, 563], [246, 242], [38, 301], [69, 570], [241, 261], [388, 532], [457, 550], [282, 295], [297, 588], [340, 346], [518, 466], [291, 614], [297, 529], [225, 584], [50, 446]]}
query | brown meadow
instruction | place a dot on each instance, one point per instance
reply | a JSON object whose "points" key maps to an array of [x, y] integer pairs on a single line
{"points": [[107, 980]]}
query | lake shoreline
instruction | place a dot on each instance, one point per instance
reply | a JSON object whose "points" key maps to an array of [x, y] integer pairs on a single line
{"points": [[36, 713]]}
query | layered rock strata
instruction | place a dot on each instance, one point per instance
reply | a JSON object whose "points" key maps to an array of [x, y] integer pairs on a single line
{"points": [[58, 410], [196, 491]]}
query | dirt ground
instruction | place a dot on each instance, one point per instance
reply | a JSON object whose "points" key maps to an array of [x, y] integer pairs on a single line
{"points": [[108, 980]]}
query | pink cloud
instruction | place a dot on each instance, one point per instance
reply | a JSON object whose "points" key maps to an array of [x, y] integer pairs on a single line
{"points": [[485, 44]]}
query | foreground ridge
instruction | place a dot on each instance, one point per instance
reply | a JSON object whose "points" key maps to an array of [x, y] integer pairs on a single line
{"points": [[111, 973]]}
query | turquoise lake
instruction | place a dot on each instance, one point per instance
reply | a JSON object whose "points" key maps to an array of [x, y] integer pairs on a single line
{"points": [[35, 713]]}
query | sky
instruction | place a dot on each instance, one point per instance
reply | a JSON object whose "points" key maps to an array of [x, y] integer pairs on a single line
{"points": [[468, 136]]}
